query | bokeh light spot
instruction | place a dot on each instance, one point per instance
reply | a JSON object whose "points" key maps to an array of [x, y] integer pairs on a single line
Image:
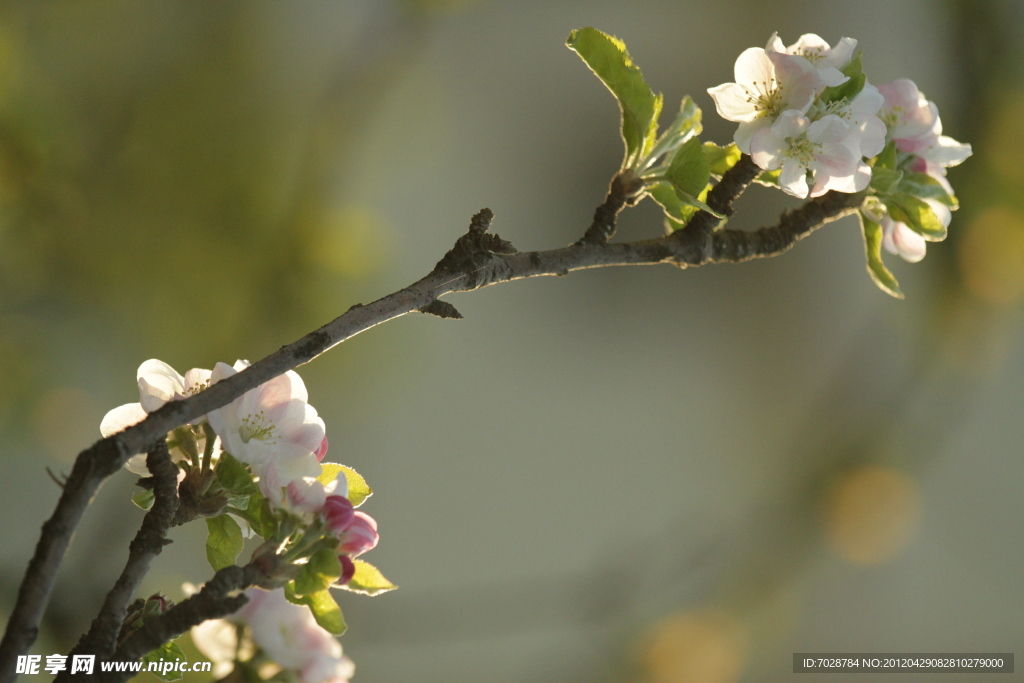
{"points": [[702, 646], [992, 255], [871, 513]]}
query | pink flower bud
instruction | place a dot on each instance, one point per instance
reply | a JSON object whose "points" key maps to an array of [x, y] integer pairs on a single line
{"points": [[322, 451], [338, 513], [348, 569], [360, 536]]}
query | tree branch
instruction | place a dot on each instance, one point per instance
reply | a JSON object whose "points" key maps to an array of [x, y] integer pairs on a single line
{"points": [[478, 259], [220, 597], [147, 544]]}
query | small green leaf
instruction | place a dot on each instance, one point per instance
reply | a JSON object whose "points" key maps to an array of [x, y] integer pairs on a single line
{"points": [[850, 88], [268, 520], [676, 211], [885, 180], [887, 157], [689, 170], [608, 59], [233, 476], [368, 580], [223, 542], [144, 498], [721, 159], [323, 606], [686, 125], [358, 491], [873, 251], [924, 186], [322, 570], [168, 652], [769, 178], [917, 215]]}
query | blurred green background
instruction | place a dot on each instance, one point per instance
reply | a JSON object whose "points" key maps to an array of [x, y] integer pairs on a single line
{"points": [[636, 475]]}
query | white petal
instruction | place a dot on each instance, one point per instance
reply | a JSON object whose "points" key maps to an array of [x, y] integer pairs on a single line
{"points": [[767, 148], [910, 246], [949, 152], [753, 66], [809, 42], [793, 178], [790, 124], [941, 211], [197, 378], [832, 76], [733, 102], [775, 44], [868, 101], [872, 136], [841, 54], [158, 384], [745, 132], [121, 418]]}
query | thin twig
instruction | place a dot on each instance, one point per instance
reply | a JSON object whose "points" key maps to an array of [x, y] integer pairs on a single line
{"points": [[147, 544]]}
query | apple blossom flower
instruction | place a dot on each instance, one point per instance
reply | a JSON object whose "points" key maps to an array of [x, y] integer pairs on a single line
{"points": [[272, 427], [814, 49], [861, 113], [287, 633], [901, 240], [304, 497], [768, 83], [906, 112], [158, 383], [828, 148]]}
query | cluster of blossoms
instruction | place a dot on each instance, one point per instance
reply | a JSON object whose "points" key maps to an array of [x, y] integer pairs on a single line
{"points": [[285, 633], [809, 117], [255, 467]]}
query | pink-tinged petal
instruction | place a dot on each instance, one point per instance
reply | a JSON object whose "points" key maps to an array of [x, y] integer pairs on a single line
{"points": [[733, 102], [338, 513], [360, 537], [221, 371], [321, 452], [790, 124], [793, 178], [305, 496], [767, 149], [906, 243], [122, 417], [348, 569], [745, 132], [902, 93], [798, 79]]}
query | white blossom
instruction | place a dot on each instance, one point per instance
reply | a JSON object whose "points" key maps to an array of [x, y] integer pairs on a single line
{"points": [[768, 83], [828, 148], [815, 50]]}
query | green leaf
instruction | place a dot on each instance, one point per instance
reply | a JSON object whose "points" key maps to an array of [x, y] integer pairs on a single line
{"points": [[358, 491], [233, 476], [320, 573], [850, 88], [917, 214], [144, 498], [268, 520], [223, 542], [323, 606], [924, 186], [368, 580], [676, 211], [721, 159], [689, 170], [885, 180], [887, 157], [873, 251], [168, 652], [608, 59], [769, 178]]}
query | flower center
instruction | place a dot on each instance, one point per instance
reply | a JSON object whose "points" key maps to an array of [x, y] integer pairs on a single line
{"points": [[766, 97], [892, 116], [812, 54], [803, 150], [257, 426]]}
